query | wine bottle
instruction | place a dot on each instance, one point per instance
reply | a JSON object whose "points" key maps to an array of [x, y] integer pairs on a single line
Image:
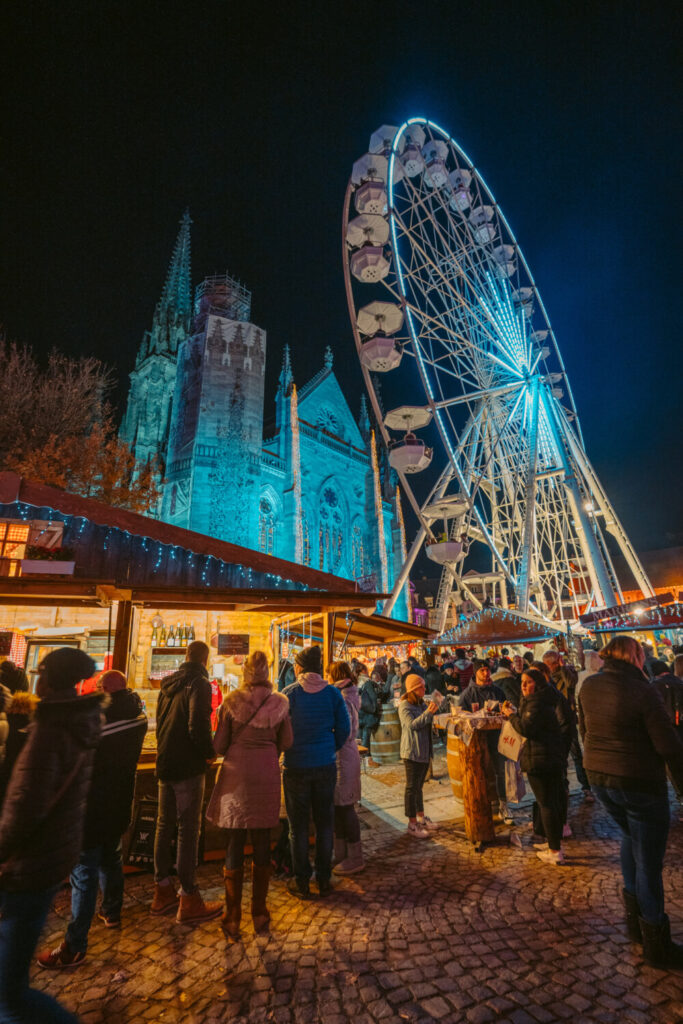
{"points": [[155, 637], [171, 638], [179, 636], [162, 637], [191, 638]]}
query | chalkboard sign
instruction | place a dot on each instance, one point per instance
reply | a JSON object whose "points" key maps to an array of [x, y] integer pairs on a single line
{"points": [[141, 843], [5, 644], [231, 644]]}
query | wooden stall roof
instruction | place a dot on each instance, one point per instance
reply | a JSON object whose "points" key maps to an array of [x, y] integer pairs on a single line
{"points": [[497, 625], [357, 630], [22, 590], [14, 488]]}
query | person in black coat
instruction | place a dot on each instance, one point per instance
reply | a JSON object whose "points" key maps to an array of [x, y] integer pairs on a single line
{"points": [[41, 827], [107, 816], [543, 757], [629, 741]]}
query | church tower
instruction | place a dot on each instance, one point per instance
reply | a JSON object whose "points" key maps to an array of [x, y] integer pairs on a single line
{"points": [[147, 421], [213, 465]]}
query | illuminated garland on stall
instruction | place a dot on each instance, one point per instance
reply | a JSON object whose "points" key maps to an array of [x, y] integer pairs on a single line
{"points": [[296, 474], [379, 512]]}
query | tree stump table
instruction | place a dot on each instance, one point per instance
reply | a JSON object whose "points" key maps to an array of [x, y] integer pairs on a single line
{"points": [[467, 769]]}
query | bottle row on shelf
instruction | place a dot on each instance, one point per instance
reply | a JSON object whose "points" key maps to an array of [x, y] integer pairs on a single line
{"points": [[177, 636]]}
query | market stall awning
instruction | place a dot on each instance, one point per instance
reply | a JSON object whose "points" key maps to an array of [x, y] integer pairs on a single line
{"points": [[497, 625], [355, 630]]}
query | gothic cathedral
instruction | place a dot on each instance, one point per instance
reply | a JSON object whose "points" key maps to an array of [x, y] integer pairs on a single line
{"points": [[314, 490]]}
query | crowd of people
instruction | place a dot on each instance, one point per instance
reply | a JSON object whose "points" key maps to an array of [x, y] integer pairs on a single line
{"points": [[291, 758]]}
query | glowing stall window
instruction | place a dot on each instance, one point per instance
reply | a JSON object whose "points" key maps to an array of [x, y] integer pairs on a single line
{"points": [[267, 522], [13, 541]]}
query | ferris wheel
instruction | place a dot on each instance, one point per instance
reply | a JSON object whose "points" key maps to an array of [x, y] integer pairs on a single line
{"points": [[447, 319]]}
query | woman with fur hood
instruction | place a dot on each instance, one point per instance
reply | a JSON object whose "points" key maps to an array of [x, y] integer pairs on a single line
{"points": [[253, 729]]}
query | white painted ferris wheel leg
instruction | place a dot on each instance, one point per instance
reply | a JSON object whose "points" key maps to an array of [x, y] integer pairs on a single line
{"points": [[402, 578]]}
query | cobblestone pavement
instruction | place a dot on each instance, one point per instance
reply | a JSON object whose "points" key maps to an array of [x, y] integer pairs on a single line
{"points": [[430, 931]]}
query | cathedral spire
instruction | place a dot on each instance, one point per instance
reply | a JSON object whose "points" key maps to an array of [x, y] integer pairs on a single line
{"points": [[177, 289], [286, 376]]}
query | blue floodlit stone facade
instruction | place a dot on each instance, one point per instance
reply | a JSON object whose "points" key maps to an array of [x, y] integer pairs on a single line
{"points": [[197, 405]]}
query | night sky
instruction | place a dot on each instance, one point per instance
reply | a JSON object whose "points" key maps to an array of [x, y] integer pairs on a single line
{"points": [[119, 115]]}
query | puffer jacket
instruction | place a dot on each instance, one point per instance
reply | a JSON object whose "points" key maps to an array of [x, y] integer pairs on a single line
{"points": [[110, 799], [416, 731], [370, 710], [347, 790], [475, 694], [627, 735], [184, 742], [253, 729], [545, 749], [40, 843]]}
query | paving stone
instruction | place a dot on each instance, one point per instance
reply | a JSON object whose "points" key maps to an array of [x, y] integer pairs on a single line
{"points": [[461, 937]]}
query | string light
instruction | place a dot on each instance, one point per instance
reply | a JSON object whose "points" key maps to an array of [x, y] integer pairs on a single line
{"points": [[296, 473], [379, 512]]}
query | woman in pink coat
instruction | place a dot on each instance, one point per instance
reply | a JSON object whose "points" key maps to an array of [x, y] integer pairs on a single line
{"points": [[253, 729]]}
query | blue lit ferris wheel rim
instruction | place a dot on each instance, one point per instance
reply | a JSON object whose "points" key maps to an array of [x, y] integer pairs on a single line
{"points": [[425, 122]]}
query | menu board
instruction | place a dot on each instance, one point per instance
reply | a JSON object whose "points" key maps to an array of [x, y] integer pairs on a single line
{"points": [[231, 644]]}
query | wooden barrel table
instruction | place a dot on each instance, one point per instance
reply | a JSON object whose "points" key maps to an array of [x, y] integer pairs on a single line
{"points": [[386, 740], [469, 773]]}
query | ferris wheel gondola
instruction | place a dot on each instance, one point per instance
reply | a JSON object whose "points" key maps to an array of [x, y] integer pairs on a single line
{"points": [[434, 273]]}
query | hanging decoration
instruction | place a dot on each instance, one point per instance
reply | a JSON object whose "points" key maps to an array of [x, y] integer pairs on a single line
{"points": [[379, 512], [296, 473]]}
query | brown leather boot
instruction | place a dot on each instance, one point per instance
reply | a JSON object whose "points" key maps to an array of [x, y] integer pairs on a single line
{"points": [[259, 911], [193, 909], [232, 915], [165, 900]]}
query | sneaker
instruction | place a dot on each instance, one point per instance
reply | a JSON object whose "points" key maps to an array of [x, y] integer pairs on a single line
{"points": [[542, 844], [417, 830], [567, 831], [109, 920], [550, 856], [59, 958], [505, 815], [516, 840], [427, 823], [299, 889], [588, 797]]}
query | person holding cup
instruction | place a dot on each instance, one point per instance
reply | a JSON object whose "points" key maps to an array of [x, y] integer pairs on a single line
{"points": [[474, 698], [416, 717]]}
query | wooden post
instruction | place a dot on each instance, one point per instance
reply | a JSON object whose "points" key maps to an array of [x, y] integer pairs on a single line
{"points": [[328, 640], [124, 619]]}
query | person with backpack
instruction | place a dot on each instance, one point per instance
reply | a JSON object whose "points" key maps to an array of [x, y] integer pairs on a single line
{"points": [[184, 750]]}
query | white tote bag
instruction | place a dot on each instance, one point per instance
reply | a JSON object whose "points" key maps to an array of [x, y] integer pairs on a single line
{"points": [[510, 742]]}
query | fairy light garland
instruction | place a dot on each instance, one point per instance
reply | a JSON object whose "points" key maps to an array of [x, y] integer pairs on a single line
{"points": [[296, 473], [379, 511]]}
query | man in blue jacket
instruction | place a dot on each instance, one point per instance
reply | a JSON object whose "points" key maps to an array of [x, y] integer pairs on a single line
{"points": [[321, 726]]}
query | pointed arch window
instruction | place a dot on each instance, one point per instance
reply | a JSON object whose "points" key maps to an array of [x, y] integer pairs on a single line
{"points": [[357, 552], [267, 524], [331, 531]]}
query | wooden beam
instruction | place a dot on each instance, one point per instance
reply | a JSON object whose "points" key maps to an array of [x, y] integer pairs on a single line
{"points": [[124, 620]]}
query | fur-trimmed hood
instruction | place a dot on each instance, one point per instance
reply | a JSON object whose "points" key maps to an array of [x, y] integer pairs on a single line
{"points": [[22, 703], [241, 704]]}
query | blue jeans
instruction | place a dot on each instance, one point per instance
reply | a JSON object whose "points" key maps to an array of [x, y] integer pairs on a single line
{"points": [[644, 822], [100, 866], [23, 918], [311, 791], [181, 803]]}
